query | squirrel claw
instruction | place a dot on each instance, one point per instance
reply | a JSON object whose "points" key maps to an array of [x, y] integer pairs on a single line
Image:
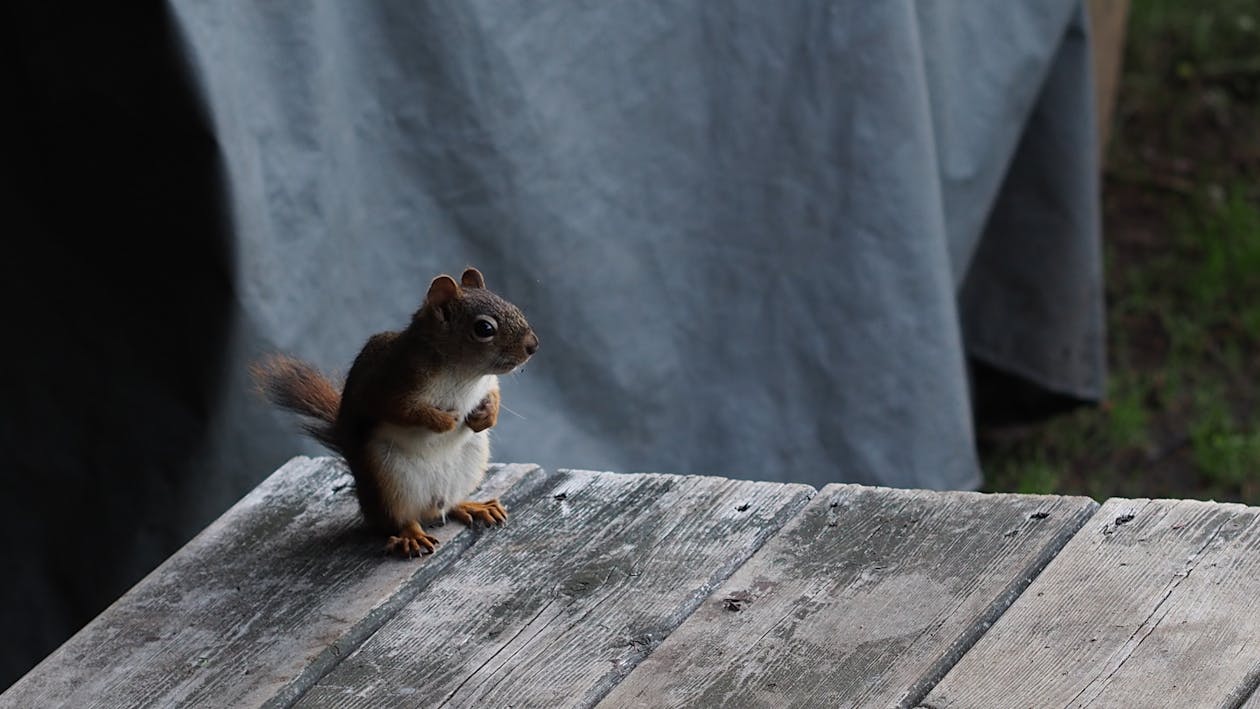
{"points": [[490, 513], [411, 541]]}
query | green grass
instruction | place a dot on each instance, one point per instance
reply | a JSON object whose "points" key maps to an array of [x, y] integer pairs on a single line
{"points": [[1182, 244], [1224, 242], [1225, 453], [1036, 475], [1127, 423]]}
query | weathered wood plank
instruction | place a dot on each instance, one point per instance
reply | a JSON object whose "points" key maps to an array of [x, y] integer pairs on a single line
{"points": [[556, 609], [864, 599], [1153, 603], [260, 603]]}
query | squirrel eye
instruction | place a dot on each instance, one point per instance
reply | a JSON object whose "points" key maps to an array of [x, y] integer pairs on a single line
{"points": [[484, 328]]}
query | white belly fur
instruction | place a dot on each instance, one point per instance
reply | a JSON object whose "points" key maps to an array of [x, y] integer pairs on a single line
{"points": [[427, 473]]}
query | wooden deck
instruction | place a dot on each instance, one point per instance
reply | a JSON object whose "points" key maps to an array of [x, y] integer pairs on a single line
{"points": [[659, 590]]}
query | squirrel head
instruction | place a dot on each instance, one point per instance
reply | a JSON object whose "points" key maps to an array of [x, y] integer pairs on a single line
{"points": [[472, 327]]}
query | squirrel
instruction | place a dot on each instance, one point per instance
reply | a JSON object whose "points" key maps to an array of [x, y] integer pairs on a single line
{"points": [[412, 418]]}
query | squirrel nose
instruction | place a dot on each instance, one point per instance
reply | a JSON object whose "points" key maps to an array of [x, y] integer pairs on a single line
{"points": [[531, 344]]}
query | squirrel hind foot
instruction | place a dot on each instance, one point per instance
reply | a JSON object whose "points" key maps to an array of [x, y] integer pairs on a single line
{"points": [[489, 513], [411, 541]]}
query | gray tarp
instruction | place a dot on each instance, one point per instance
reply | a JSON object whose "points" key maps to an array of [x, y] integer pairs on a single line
{"points": [[751, 235], [757, 239]]}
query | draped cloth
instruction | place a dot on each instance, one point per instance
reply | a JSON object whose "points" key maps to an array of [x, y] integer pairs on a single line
{"points": [[756, 239]]}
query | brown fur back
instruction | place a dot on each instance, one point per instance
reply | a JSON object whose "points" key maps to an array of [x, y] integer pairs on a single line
{"points": [[297, 386]]}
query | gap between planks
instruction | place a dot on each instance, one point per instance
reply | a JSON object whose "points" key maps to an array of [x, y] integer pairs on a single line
{"points": [[933, 664], [523, 489], [560, 607], [241, 611], [1154, 602], [867, 597]]}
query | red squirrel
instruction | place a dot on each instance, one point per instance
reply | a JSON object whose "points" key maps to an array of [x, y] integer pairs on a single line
{"points": [[412, 418]]}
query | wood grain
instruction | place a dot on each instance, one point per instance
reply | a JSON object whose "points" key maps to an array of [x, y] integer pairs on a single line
{"points": [[556, 609], [1153, 603], [258, 605], [863, 600]]}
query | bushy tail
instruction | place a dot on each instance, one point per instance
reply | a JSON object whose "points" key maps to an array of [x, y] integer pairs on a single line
{"points": [[297, 386]]}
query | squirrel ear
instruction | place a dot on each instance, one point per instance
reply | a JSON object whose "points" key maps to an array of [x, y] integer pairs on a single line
{"points": [[472, 278], [441, 291]]}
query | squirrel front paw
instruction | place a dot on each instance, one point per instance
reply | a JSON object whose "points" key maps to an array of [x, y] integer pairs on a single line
{"points": [[485, 415], [411, 541], [440, 421], [491, 512], [450, 420]]}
